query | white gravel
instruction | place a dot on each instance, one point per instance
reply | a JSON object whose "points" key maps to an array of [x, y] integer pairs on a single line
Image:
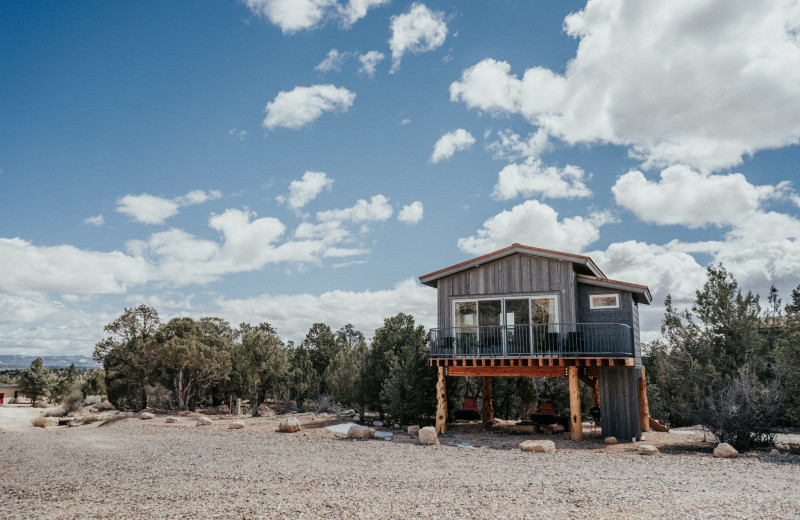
{"points": [[150, 469]]}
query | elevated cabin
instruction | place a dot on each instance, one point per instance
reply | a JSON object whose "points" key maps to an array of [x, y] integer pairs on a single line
{"points": [[525, 311]]}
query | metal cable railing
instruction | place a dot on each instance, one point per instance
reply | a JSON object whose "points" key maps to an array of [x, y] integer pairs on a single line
{"points": [[548, 340]]}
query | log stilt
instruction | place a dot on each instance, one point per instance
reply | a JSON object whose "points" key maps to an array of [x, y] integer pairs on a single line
{"points": [[487, 408], [644, 408], [596, 391], [441, 407], [575, 423]]}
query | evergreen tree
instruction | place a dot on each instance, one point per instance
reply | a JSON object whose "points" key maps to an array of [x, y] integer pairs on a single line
{"points": [[36, 381]]}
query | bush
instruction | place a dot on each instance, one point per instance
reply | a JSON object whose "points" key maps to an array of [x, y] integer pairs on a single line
{"points": [[58, 411], [104, 406], [40, 422], [40, 404], [92, 400], [89, 419], [73, 402], [324, 403]]}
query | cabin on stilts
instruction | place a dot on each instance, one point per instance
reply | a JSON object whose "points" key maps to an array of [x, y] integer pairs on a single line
{"points": [[529, 312]]}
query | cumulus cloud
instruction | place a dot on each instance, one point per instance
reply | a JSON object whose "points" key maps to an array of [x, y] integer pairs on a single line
{"points": [[417, 31], [306, 189], [97, 220], [298, 15], [369, 62], [293, 314], [355, 10], [150, 209], [510, 146], [536, 224], [411, 214], [302, 105], [534, 178], [737, 70], [450, 143], [333, 61], [238, 134], [687, 197], [376, 210]]}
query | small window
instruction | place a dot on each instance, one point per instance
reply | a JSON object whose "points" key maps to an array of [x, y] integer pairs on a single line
{"points": [[603, 301]]}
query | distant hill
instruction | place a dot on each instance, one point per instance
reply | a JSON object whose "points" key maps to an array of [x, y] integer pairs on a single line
{"points": [[12, 362]]}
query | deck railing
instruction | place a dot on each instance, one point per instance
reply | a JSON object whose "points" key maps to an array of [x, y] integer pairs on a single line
{"points": [[550, 340]]}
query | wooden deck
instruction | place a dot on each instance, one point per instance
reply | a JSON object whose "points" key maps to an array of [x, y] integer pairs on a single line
{"points": [[525, 367]]}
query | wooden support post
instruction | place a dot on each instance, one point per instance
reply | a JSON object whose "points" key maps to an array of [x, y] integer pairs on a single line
{"points": [[441, 407], [487, 408], [596, 390], [575, 423], [644, 408]]}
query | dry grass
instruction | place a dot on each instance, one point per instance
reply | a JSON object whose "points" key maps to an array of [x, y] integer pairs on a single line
{"points": [[89, 419], [40, 422], [58, 411]]}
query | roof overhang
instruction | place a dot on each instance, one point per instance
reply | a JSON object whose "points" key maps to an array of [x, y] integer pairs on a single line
{"points": [[583, 264], [641, 293]]}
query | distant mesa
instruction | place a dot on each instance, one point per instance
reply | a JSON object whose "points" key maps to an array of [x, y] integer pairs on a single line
{"points": [[11, 362]]}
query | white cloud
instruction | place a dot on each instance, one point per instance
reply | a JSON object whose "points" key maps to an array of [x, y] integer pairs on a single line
{"points": [[450, 143], [291, 15], [405, 122], [535, 224], [411, 214], [238, 134], [697, 83], [355, 10], [376, 210], [419, 30], [534, 178], [332, 231], [306, 189], [293, 314], [512, 147], [97, 220], [302, 105], [150, 209], [369, 62], [690, 198], [333, 61]]}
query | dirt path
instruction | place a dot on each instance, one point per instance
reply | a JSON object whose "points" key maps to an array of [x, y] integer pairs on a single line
{"points": [[17, 417]]}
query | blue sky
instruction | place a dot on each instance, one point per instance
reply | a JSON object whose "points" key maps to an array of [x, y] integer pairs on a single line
{"points": [[295, 161]]}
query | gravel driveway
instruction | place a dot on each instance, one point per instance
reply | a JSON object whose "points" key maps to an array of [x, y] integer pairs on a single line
{"points": [[149, 469]]}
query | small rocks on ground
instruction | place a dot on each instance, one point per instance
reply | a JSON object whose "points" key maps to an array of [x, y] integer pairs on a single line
{"points": [[361, 432], [538, 446], [427, 435], [725, 451], [289, 425], [377, 424], [610, 440], [413, 430], [236, 425], [171, 419], [647, 449], [146, 415], [203, 421]]}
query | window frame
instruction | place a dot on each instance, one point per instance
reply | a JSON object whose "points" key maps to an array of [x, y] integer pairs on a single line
{"points": [[594, 307]]}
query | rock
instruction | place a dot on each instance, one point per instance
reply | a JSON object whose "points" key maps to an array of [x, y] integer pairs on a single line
{"points": [[413, 430], [725, 451], [773, 451], [647, 449], [538, 446], [610, 440], [203, 421], [236, 425], [524, 429], [783, 447], [361, 432], [265, 411], [378, 424], [552, 429], [224, 409], [396, 426], [146, 415], [171, 419], [427, 435], [642, 438], [289, 425]]}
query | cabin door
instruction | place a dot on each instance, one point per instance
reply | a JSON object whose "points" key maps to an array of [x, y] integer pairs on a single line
{"points": [[1, 398]]}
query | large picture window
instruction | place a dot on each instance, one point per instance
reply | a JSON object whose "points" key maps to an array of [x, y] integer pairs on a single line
{"points": [[509, 312]]}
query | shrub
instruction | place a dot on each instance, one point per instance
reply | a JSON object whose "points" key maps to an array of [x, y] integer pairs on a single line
{"points": [[73, 402], [92, 400], [40, 404], [40, 422], [105, 406], [89, 419], [324, 403], [58, 411]]}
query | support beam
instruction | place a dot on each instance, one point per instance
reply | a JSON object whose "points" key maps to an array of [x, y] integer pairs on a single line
{"points": [[487, 409], [575, 423], [644, 408], [441, 407], [596, 391]]}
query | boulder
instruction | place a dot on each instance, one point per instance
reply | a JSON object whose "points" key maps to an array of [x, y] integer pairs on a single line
{"points": [[203, 421], [289, 425], [725, 451], [265, 411], [224, 409], [647, 449], [427, 435], [361, 432], [552, 429], [378, 424], [146, 415], [610, 440], [538, 446], [413, 430], [236, 425], [396, 426], [171, 419]]}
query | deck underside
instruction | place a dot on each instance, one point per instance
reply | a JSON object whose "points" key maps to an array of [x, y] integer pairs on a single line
{"points": [[525, 367]]}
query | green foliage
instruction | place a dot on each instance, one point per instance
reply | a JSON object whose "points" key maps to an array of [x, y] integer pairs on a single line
{"points": [[322, 346], [262, 364], [67, 385], [73, 401], [94, 383], [346, 374], [36, 382], [514, 397], [303, 378]]}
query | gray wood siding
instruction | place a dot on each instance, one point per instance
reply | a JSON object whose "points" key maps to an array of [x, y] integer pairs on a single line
{"points": [[619, 403], [515, 274], [628, 312], [637, 341]]}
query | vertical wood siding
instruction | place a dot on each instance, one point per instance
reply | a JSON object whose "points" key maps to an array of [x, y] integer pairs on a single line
{"points": [[628, 312], [619, 403], [515, 274]]}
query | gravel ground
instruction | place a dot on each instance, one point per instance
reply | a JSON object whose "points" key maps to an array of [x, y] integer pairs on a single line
{"points": [[149, 469]]}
